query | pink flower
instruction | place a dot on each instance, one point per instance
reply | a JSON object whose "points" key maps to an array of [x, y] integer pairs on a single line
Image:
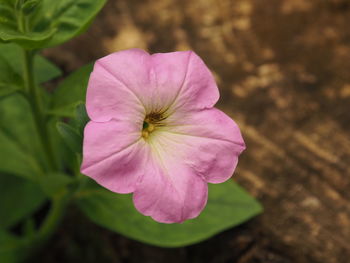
{"points": [[154, 132]]}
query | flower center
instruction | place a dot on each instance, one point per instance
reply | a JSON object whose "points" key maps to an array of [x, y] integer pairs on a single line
{"points": [[151, 121]]}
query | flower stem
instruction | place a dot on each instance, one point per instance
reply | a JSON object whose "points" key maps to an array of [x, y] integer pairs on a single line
{"points": [[36, 105], [53, 218], [59, 202], [32, 244]]}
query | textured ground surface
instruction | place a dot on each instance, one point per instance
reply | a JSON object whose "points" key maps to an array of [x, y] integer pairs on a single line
{"points": [[283, 71]]}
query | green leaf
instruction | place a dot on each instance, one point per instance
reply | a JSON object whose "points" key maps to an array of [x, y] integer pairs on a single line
{"points": [[71, 92], [10, 248], [228, 206], [8, 91], [13, 160], [70, 136], [19, 198], [44, 70], [54, 183], [9, 80], [67, 158], [8, 19], [81, 118], [27, 40], [71, 18], [29, 6], [21, 148], [49, 24], [21, 151]]}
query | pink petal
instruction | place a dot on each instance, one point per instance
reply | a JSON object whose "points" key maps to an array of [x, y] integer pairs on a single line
{"points": [[209, 140], [169, 192], [114, 154], [169, 171], [183, 80], [118, 84], [132, 81]]}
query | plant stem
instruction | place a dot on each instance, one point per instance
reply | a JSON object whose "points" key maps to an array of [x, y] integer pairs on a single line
{"points": [[48, 227], [36, 105], [59, 202], [53, 218]]}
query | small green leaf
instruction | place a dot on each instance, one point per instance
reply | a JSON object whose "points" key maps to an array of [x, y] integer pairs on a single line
{"points": [[67, 158], [54, 183], [70, 136], [8, 91], [72, 17], [8, 17], [29, 6], [19, 198], [228, 205], [14, 160], [21, 151], [51, 23], [44, 70], [10, 248], [32, 40], [71, 92], [82, 118], [10, 82], [8, 2]]}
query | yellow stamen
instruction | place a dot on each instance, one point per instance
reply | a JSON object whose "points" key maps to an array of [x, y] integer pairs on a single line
{"points": [[150, 127], [151, 122], [145, 134]]}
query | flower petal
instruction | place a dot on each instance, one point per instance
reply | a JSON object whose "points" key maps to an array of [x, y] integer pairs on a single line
{"points": [[194, 143], [132, 80], [169, 192], [119, 85], [113, 154], [183, 80], [209, 140]]}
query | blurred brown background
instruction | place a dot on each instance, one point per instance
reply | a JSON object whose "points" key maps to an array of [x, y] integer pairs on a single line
{"points": [[283, 71]]}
